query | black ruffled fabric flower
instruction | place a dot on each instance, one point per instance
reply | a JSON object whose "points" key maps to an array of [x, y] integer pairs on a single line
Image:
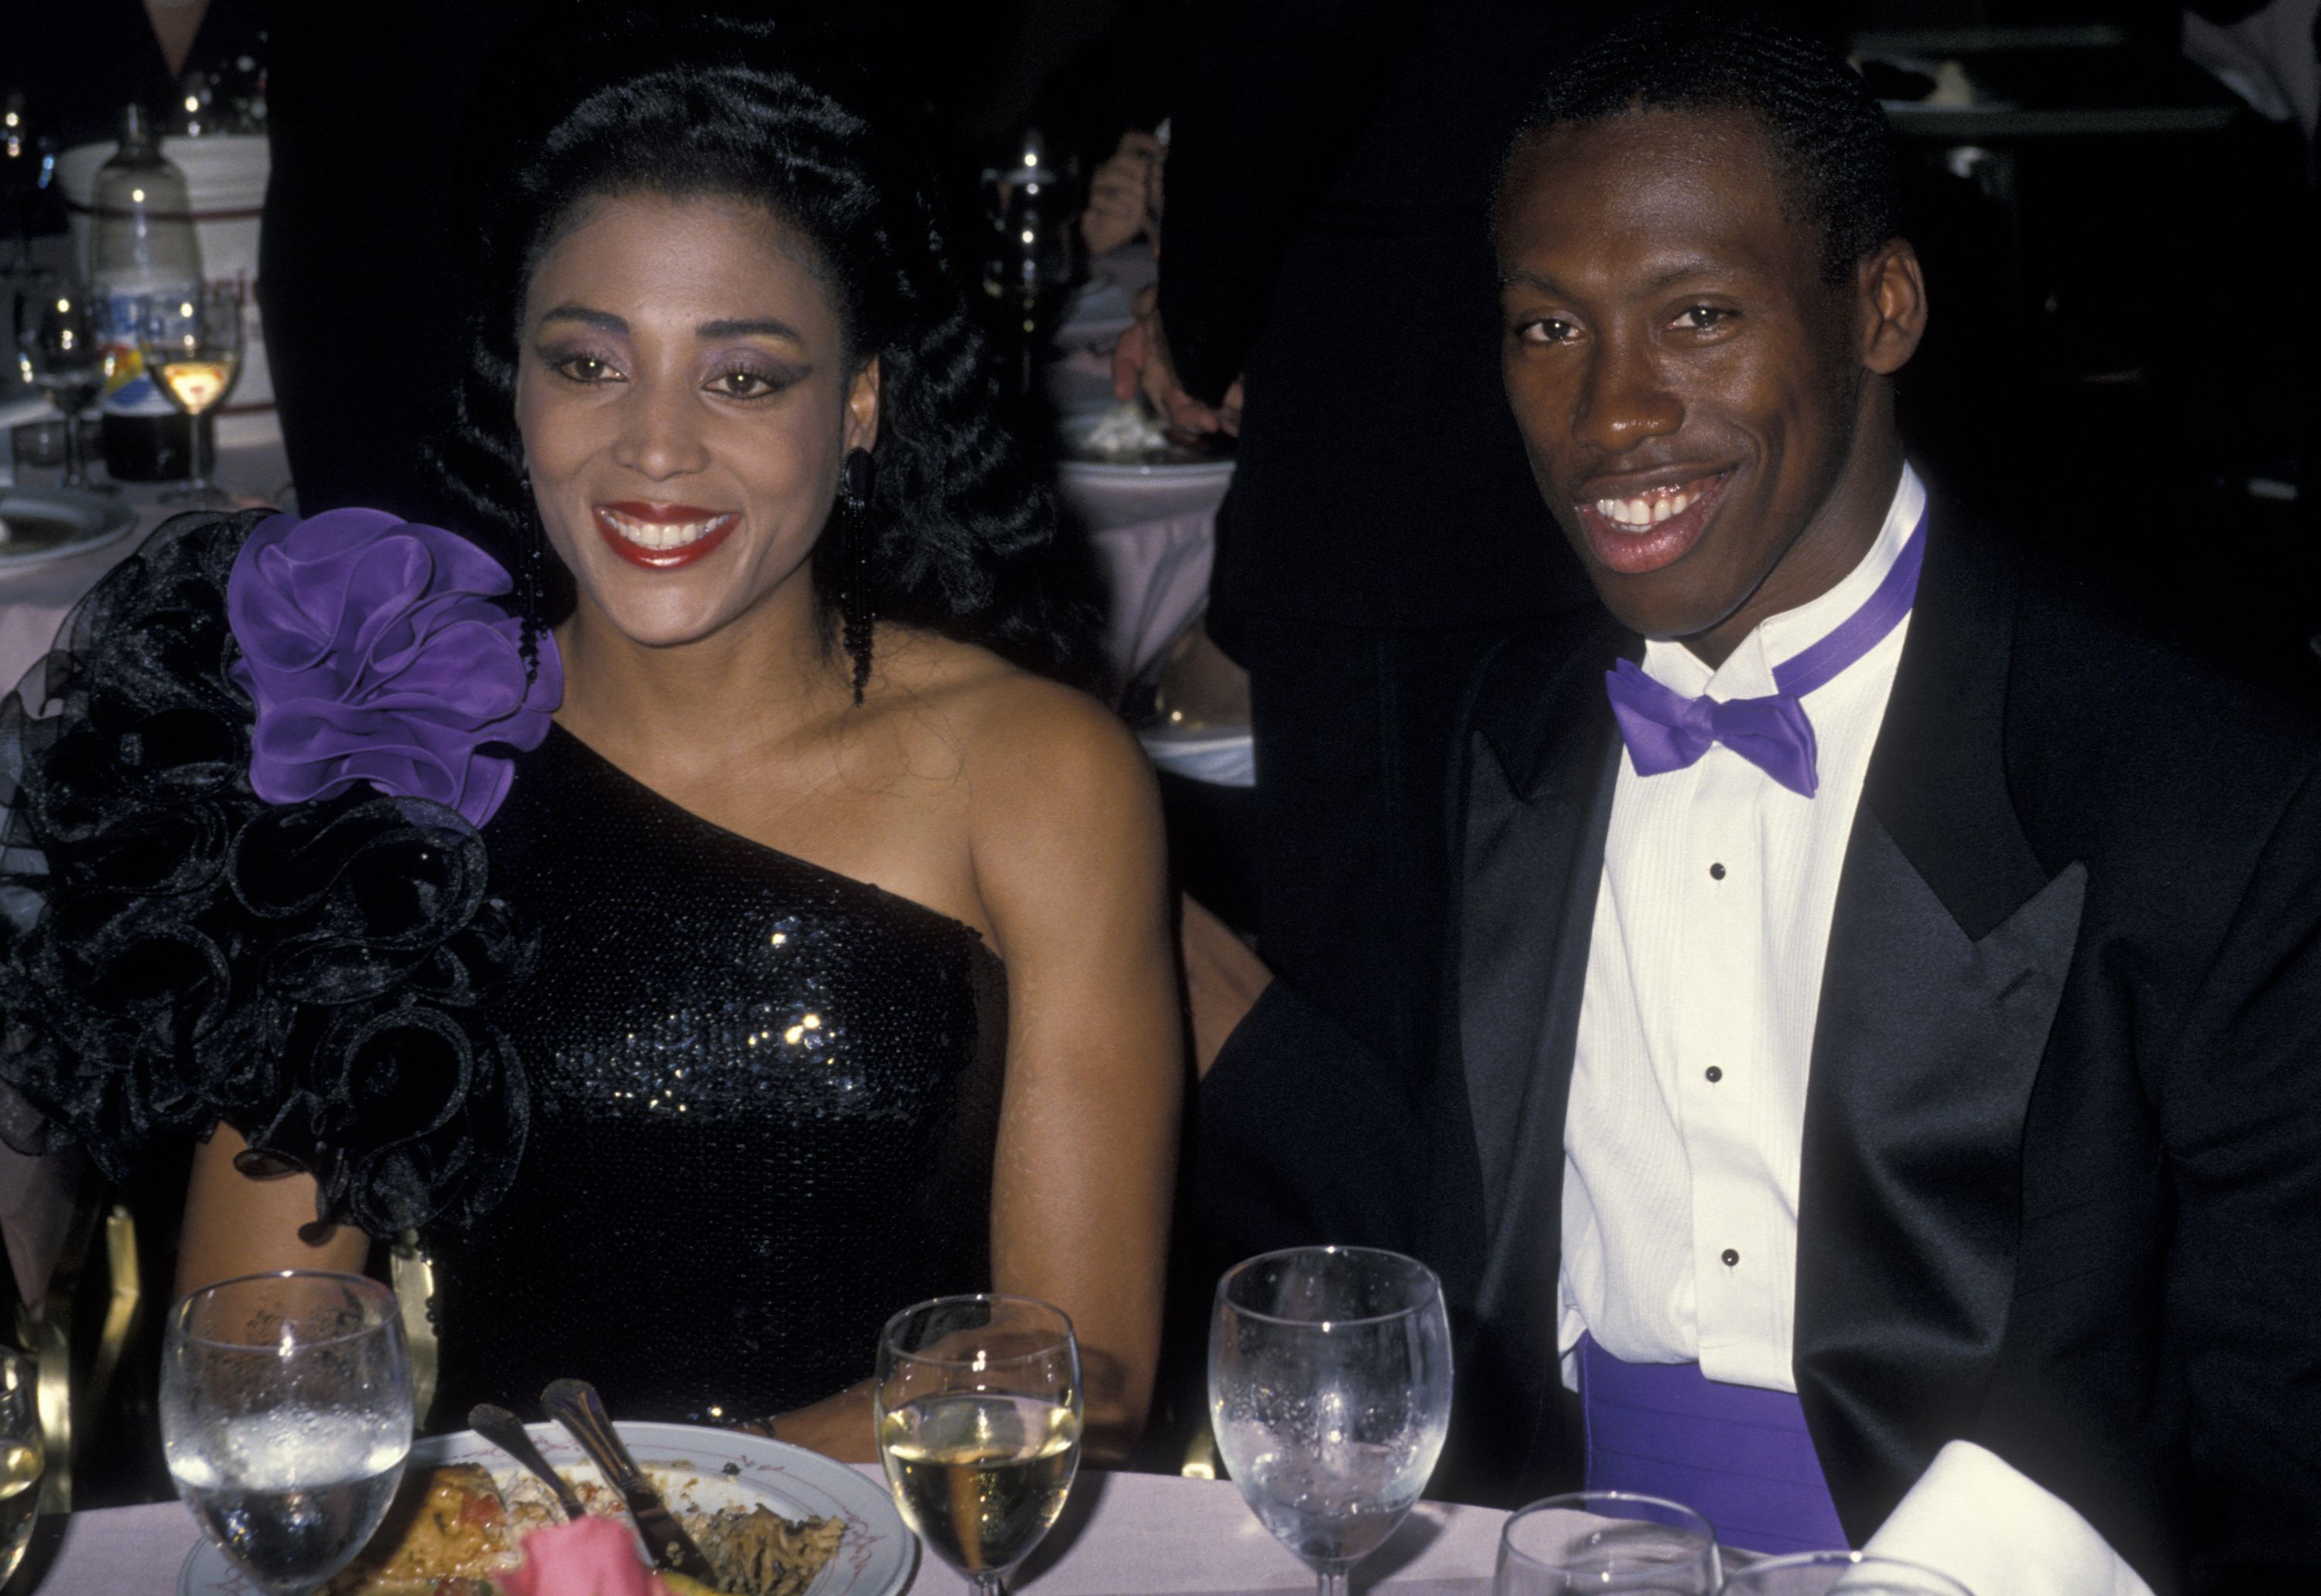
{"points": [[174, 951]]}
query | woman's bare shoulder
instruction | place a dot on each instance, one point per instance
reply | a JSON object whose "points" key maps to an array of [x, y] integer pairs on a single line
{"points": [[1043, 764], [993, 712]]}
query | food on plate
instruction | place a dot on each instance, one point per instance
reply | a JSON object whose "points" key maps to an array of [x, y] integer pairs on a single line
{"points": [[1129, 434], [445, 1534], [757, 1552], [1126, 431], [458, 1531]]}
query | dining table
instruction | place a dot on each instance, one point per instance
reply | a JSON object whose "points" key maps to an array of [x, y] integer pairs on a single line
{"points": [[1121, 1535]]}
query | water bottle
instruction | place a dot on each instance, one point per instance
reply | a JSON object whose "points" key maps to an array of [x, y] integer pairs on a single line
{"points": [[143, 248]]}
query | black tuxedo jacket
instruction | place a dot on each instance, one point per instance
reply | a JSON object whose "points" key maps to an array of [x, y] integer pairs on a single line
{"points": [[2061, 1176]]}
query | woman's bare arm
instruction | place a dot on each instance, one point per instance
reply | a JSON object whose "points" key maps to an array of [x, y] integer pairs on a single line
{"points": [[235, 1225], [1069, 861]]}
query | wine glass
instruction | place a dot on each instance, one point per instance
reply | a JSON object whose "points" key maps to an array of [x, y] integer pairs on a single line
{"points": [[1845, 1573], [23, 1457], [286, 1417], [979, 1409], [58, 335], [191, 343], [1613, 1541], [1330, 1391]]}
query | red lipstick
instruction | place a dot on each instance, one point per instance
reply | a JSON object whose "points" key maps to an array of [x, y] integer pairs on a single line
{"points": [[621, 523]]}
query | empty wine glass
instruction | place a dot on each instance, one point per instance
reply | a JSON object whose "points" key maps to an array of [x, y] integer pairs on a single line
{"points": [[1330, 1392], [1839, 1573], [1612, 1541], [58, 335], [22, 1456], [192, 348], [978, 1407], [285, 1418]]}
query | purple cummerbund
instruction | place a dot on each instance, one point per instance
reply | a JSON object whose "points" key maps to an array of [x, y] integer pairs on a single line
{"points": [[1736, 1455]]}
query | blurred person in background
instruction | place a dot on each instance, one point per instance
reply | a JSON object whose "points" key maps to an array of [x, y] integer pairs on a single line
{"points": [[1327, 290]]}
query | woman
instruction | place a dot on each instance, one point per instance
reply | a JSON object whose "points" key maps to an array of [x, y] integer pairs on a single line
{"points": [[677, 1100]]}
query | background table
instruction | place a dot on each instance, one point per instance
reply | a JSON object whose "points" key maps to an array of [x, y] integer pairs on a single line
{"points": [[1121, 1535]]}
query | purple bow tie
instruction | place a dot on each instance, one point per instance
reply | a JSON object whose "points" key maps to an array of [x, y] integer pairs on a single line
{"points": [[1666, 730]]}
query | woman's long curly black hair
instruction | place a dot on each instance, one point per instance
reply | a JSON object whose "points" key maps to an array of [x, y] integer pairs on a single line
{"points": [[964, 538]]}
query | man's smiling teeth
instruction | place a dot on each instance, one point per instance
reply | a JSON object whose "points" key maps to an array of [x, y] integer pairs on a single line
{"points": [[656, 534], [1648, 509]]}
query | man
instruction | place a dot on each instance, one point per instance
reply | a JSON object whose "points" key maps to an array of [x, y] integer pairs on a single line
{"points": [[1877, 973]]}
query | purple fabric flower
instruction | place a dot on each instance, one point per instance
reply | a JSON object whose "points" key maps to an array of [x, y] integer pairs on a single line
{"points": [[374, 650]]}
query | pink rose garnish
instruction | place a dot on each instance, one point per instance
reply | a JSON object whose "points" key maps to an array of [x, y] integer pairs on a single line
{"points": [[591, 1558]]}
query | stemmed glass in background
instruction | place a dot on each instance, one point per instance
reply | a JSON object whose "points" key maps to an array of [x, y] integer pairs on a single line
{"points": [[56, 334], [1846, 1573], [285, 1418], [192, 349], [1330, 1392], [978, 1407], [23, 1457], [1611, 1541]]}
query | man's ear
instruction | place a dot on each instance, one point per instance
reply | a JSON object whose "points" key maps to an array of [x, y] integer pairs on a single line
{"points": [[1891, 290], [862, 407]]}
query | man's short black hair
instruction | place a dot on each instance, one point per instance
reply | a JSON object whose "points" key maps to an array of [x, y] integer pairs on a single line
{"points": [[1828, 134]]}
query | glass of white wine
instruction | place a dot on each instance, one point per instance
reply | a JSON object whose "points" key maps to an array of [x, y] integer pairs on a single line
{"points": [[979, 1408], [191, 344], [285, 1418], [1330, 1394], [21, 1455]]}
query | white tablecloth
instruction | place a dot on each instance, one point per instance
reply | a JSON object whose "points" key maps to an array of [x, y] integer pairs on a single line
{"points": [[1122, 1535]]}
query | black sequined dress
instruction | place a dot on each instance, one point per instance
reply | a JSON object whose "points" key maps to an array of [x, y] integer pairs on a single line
{"points": [[763, 1103]]}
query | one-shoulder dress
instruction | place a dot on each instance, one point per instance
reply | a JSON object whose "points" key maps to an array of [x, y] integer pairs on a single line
{"points": [[763, 1103]]}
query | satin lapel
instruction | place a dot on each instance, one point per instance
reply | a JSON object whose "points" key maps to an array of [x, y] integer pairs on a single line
{"points": [[1947, 956], [1541, 766]]}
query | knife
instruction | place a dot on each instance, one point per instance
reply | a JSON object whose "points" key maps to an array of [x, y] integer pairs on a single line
{"points": [[575, 1405], [501, 1428]]}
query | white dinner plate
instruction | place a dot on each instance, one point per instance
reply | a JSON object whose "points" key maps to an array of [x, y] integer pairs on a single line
{"points": [[720, 1468], [45, 526]]}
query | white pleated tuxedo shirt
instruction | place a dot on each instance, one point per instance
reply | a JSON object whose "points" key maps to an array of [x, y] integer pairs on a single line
{"points": [[1687, 1117]]}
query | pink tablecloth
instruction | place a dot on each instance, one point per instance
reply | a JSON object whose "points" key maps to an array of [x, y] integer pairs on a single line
{"points": [[1122, 1534]]}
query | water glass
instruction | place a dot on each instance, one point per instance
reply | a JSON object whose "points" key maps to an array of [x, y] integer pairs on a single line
{"points": [[1846, 1573], [63, 353], [978, 1407], [285, 1418], [1329, 1393], [1614, 1541], [22, 1456]]}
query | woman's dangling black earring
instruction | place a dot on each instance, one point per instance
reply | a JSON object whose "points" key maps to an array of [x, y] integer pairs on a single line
{"points": [[859, 621], [529, 603]]}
